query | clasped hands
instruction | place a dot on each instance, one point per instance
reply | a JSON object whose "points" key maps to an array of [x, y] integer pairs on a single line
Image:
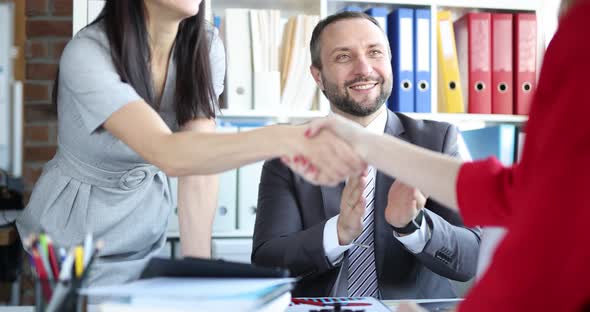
{"points": [[346, 158], [329, 150]]}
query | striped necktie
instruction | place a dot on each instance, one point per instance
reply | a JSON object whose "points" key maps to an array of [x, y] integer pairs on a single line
{"points": [[362, 273]]}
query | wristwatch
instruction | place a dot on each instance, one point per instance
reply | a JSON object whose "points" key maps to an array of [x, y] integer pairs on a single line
{"points": [[412, 226]]}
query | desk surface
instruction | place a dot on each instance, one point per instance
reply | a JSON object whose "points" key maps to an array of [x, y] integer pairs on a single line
{"points": [[16, 309], [391, 304], [32, 309]]}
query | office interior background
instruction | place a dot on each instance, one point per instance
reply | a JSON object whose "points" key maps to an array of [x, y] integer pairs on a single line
{"points": [[266, 83]]}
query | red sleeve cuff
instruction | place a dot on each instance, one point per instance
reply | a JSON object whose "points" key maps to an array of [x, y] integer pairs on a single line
{"points": [[478, 193]]}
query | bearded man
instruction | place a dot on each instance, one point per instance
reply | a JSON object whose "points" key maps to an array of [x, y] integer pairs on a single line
{"points": [[373, 235]]}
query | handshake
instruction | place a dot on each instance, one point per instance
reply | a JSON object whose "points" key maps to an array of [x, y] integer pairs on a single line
{"points": [[332, 149]]}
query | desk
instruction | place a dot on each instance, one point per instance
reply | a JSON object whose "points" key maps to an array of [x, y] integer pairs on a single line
{"points": [[91, 308], [17, 309], [391, 304]]}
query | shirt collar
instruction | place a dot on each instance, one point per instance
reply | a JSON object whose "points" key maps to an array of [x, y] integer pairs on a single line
{"points": [[377, 126]]}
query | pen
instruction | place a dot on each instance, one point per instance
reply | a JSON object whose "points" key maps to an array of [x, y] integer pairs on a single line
{"points": [[95, 252], [52, 258], [66, 268], [62, 254], [44, 255], [87, 248], [62, 289], [42, 274], [77, 282]]}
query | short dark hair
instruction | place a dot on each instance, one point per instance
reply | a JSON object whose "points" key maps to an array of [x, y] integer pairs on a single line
{"points": [[314, 44]]}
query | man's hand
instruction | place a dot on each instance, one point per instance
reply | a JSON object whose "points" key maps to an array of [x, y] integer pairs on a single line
{"points": [[403, 204], [352, 209]]}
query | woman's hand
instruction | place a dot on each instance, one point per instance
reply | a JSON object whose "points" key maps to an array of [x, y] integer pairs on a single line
{"points": [[349, 131], [323, 159]]}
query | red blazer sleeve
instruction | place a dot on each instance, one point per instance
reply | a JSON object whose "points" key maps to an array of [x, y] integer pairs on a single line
{"points": [[484, 189], [542, 263]]}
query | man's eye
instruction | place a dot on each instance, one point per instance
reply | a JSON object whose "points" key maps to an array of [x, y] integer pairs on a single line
{"points": [[375, 52], [342, 58]]}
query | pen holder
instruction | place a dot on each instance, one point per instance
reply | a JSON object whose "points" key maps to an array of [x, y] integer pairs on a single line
{"points": [[52, 296]]}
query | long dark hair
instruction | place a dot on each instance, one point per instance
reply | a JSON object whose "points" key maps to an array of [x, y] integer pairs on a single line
{"points": [[125, 26]]}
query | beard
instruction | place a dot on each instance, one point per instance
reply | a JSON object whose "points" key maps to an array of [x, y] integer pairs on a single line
{"points": [[344, 102]]}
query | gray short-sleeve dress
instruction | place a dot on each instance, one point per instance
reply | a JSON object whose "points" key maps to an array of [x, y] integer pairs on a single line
{"points": [[96, 182]]}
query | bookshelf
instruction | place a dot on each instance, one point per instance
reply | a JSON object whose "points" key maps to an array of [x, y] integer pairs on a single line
{"points": [[86, 10], [326, 7]]}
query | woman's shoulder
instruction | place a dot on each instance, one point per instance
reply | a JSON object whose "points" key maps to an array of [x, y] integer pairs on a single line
{"points": [[93, 34], [90, 44]]}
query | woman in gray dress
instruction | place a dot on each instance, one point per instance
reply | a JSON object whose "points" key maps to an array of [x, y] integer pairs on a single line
{"points": [[136, 94]]}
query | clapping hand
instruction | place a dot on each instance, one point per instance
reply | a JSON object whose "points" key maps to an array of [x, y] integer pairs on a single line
{"points": [[403, 204]]}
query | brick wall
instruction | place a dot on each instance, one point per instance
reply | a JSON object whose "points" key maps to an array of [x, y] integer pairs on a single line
{"points": [[48, 29]]}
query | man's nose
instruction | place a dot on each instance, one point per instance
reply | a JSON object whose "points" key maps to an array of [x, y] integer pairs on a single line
{"points": [[363, 66]]}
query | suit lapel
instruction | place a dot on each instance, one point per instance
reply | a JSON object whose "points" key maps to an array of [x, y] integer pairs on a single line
{"points": [[382, 234], [331, 199]]}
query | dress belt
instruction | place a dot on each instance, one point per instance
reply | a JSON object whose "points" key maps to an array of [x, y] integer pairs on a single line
{"points": [[125, 180]]}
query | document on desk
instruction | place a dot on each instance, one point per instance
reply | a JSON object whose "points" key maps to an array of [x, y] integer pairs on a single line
{"points": [[196, 294], [194, 288], [431, 305], [352, 304], [279, 304]]}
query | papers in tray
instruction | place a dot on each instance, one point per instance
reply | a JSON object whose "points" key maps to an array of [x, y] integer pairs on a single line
{"points": [[277, 305], [195, 294]]}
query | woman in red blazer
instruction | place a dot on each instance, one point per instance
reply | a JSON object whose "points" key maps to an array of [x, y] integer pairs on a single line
{"points": [[543, 264]]}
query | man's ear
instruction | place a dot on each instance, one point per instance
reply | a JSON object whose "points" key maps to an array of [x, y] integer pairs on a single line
{"points": [[317, 76]]}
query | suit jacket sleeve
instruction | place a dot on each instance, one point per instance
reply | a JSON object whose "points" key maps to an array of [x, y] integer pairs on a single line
{"points": [[452, 249], [279, 236]]}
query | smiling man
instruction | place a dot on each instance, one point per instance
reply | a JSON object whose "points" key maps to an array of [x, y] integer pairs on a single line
{"points": [[372, 236]]}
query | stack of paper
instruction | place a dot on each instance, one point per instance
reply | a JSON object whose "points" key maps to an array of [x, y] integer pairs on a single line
{"points": [[196, 294]]}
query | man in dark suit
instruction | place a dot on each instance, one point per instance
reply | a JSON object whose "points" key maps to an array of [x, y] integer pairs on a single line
{"points": [[370, 236]]}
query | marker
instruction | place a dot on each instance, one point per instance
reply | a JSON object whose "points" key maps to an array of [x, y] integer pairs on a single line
{"points": [[79, 258], [52, 258]]}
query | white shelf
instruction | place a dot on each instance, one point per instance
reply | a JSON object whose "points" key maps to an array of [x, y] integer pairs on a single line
{"points": [[452, 118], [386, 2], [286, 6], [232, 234], [459, 118], [254, 114]]}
